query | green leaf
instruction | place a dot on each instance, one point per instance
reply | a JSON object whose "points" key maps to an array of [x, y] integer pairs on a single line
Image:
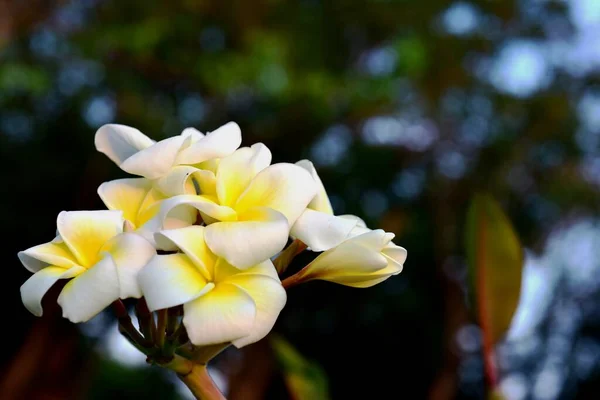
{"points": [[304, 379], [495, 259]]}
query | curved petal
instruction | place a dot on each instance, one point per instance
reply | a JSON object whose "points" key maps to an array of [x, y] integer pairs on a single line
{"points": [[259, 234], [396, 256], [321, 201], [191, 241], [321, 231], [201, 203], [156, 160], [54, 253], [150, 206], [357, 256], [131, 253], [90, 292], [171, 280], [126, 195], [224, 314], [85, 232], [34, 288], [360, 223], [193, 133], [283, 187], [216, 144], [237, 170], [180, 180], [119, 142], [269, 297]]}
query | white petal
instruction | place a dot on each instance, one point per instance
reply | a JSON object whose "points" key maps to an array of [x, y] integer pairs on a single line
{"points": [[321, 231], [200, 203], [180, 180], [396, 256], [216, 144], [55, 253], [224, 314], [85, 232], [356, 256], [269, 297], [119, 142], [321, 201], [359, 221], [191, 241], [193, 133], [126, 195], [237, 170], [259, 234], [156, 160], [90, 292], [171, 280], [283, 187], [131, 253], [34, 289]]}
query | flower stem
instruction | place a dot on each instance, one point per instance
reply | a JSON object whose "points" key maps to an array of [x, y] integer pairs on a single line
{"points": [[201, 384], [161, 327], [294, 280], [145, 319], [284, 259], [127, 329]]}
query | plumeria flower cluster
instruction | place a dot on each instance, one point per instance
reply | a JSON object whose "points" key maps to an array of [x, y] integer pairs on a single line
{"points": [[199, 238]]}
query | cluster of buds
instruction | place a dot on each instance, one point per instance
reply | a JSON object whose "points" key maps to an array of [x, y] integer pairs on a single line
{"points": [[199, 237]]}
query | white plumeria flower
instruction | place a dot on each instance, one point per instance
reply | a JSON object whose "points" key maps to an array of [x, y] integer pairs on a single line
{"points": [[354, 254], [360, 261], [139, 155], [91, 250], [221, 303], [170, 167], [255, 204]]}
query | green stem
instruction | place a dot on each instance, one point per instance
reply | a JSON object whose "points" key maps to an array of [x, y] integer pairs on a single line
{"points": [[295, 279], [161, 327], [284, 259], [204, 354], [145, 319], [201, 384], [127, 329], [173, 320]]}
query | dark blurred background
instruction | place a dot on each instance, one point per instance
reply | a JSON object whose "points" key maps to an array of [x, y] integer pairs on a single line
{"points": [[407, 108]]}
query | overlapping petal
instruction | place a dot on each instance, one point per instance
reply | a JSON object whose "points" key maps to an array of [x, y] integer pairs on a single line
{"points": [[321, 201], [85, 232], [321, 231], [191, 241], [216, 144], [157, 160], [268, 296], [171, 280], [55, 253], [258, 234], [187, 180], [127, 195], [130, 253], [283, 187], [34, 289], [237, 170], [224, 314], [119, 142], [90, 292], [360, 261]]}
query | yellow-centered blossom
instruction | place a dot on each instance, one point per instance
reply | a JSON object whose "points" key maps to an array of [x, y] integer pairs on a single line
{"points": [[221, 303], [249, 216], [92, 251]]}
